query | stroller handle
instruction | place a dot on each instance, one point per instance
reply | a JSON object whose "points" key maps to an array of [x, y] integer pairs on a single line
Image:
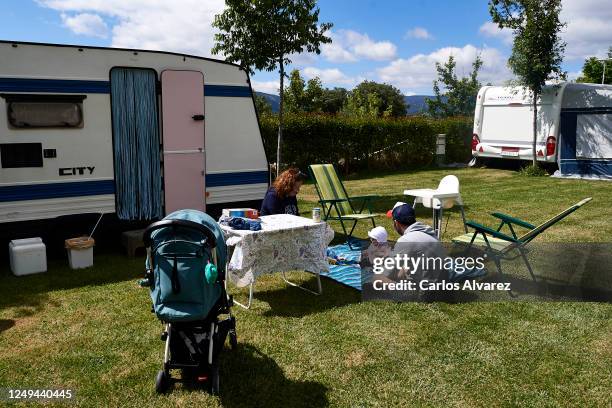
{"points": [[210, 237]]}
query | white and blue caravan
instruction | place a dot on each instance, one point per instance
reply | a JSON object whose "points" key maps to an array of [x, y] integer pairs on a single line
{"points": [[134, 133], [574, 127]]}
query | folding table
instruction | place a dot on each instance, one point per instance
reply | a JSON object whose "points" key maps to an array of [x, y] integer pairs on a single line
{"points": [[285, 243]]}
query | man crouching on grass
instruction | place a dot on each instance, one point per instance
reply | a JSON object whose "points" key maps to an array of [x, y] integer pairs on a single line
{"points": [[416, 262]]}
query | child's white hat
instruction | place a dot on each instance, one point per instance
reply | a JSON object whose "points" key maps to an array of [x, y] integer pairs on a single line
{"points": [[379, 234]]}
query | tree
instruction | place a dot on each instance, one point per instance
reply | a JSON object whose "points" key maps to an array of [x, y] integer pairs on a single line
{"points": [[362, 105], [460, 95], [313, 95], [262, 35], [592, 70], [293, 95], [389, 99], [537, 51], [333, 100], [262, 105], [301, 96]]}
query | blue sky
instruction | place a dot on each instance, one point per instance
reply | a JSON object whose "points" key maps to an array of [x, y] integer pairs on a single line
{"points": [[392, 41]]}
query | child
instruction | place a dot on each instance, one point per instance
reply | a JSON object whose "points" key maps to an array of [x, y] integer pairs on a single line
{"points": [[379, 247]]}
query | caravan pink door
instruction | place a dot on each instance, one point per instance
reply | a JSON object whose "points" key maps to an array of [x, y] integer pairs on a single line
{"points": [[183, 140]]}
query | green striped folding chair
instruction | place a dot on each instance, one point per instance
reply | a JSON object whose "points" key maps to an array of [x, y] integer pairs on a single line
{"points": [[333, 197], [499, 245]]}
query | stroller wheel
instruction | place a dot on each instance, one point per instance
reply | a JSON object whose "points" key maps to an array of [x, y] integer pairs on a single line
{"points": [[162, 382], [213, 385], [233, 339]]}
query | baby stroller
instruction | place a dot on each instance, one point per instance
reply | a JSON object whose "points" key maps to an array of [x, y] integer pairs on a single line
{"points": [[185, 271]]}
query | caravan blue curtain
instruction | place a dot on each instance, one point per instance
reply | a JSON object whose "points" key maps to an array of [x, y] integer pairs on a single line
{"points": [[136, 144]]}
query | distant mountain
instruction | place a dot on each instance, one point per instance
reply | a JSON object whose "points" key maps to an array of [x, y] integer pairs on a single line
{"points": [[417, 103], [273, 100]]}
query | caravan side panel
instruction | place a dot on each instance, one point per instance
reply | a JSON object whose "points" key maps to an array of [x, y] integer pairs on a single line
{"points": [[78, 180], [236, 161], [236, 169]]}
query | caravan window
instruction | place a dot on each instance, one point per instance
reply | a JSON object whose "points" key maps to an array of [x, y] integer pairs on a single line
{"points": [[16, 155], [42, 111]]}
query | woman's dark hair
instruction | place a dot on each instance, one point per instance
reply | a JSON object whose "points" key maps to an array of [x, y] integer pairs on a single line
{"points": [[285, 181]]}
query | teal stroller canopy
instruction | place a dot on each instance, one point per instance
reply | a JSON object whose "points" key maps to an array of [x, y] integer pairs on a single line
{"points": [[187, 258]]}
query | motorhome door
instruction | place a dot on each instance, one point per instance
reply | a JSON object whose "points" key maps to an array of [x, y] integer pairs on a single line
{"points": [[183, 140]]}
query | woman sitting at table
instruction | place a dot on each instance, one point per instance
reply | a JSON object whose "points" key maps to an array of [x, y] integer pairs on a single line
{"points": [[281, 197]]}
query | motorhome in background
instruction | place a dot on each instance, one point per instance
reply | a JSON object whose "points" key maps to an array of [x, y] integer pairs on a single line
{"points": [[503, 126], [130, 133]]}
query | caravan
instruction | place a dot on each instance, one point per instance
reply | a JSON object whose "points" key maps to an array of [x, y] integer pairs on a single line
{"points": [[574, 127], [139, 134]]}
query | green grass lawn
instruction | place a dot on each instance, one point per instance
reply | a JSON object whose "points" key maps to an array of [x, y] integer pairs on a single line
{"points": [[92, 331]]}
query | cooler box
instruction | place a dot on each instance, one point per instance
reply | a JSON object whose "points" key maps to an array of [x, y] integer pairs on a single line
{"points": [[27, 256], [240, 212]]}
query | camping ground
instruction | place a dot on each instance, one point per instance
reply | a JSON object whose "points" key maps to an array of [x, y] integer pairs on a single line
{"points": [[91, 330]]}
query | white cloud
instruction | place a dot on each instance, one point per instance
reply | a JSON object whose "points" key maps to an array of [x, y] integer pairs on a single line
{"points": [[330, 76], [588, 28], [365, 47], [335, 52], [270, 87], [187, 27], [587, 32], [86, 24], [492, 30], [299, 61], [419, 33], [151, 24], [350, 46], [416, 74]]}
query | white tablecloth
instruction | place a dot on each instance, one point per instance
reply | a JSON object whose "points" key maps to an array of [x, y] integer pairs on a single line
{"points": [[285, 243]]}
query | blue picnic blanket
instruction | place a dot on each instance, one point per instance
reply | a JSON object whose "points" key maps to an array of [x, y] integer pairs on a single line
{"points": [[344, 264], [343, 254]]}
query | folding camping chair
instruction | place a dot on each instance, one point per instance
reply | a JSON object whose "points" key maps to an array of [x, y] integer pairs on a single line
{"points": [[333, 196], [499, 246]]}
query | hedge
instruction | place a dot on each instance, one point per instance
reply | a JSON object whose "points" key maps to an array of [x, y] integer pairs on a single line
{"points": [[356, 143]]}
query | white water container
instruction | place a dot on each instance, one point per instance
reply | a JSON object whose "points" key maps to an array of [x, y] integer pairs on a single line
{"points": [[27, 256]]}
